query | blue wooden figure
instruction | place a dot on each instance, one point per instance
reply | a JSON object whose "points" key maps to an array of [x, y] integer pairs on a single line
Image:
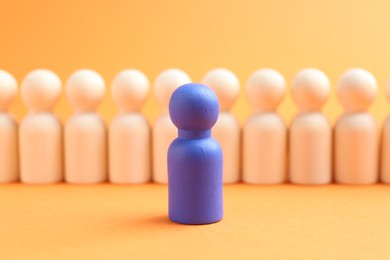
{"points": [[194, 158]]}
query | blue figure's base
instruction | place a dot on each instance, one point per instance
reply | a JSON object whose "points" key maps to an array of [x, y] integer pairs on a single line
{"points": [[194, 224]]}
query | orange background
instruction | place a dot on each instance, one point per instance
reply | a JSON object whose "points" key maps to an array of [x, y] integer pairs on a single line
{"points": [[196, 36], [106, 221]]}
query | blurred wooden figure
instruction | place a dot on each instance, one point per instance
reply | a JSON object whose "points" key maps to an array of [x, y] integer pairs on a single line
{"points": [[265, 133], [310, 131], [40, 133], [227, 130], [164, 132], [85, 131], [356, 140], [385, 162], [9, 170], [129, 135]]}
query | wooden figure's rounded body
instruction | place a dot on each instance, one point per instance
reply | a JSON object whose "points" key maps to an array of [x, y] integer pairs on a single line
{"points": [[85, 131], [195, 162], [164, 132], [85, 149], [195, 181], [310, 136], [385, 162], [356, 134], [356, 149], [9, 170], [129, 133], [129, 149], [40, 132], [310, 149], [227, 132], [264, 153], [226, 86], [265, 133], [40, 149]]}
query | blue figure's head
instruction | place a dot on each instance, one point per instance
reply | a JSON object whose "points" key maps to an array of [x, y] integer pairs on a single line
{"points": [[194, 107]]}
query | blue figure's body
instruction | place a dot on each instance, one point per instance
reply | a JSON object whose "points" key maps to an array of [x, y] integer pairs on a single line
{"points": [[195, 158]]}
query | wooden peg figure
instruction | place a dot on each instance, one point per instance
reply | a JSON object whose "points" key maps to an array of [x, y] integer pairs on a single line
{"points": [[310, 131], [9, 170], [85, 131], [40, 133], [227, 130], [385, 162], [356, 140], [264, 134], [129, 135], [164, 132], [195, 158]]}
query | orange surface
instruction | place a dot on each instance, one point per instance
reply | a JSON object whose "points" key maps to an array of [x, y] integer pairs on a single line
{"points": [[130, 222]]}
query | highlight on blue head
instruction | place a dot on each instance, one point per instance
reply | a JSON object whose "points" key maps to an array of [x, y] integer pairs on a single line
{"points": [[194, 106]]}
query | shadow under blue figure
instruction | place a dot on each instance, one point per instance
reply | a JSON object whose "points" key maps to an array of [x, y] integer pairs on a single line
{"points": [[195, 158]]}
